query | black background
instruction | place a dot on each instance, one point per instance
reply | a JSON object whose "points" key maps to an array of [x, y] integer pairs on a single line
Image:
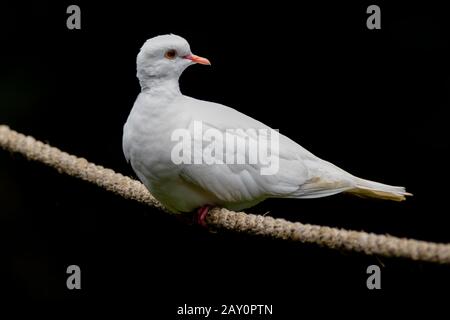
{"points": [[374, 102]]}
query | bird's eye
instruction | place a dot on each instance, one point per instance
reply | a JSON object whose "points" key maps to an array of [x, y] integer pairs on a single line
{"points": [[170, 54]]}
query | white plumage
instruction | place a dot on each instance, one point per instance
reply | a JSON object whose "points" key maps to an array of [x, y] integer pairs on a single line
{"points": [[161, 108]]}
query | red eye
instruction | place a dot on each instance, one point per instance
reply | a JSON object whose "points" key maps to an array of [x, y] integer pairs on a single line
{"points": [[170, 54]]}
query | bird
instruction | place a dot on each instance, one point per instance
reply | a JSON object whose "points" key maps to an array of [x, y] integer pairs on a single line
{"points": [[160, 109]]}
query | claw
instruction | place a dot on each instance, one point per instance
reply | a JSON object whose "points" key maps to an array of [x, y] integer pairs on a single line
{"points": [[200, 217]]}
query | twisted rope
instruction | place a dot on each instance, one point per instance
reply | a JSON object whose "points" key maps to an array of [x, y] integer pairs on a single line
{"points": [[220, 218]]}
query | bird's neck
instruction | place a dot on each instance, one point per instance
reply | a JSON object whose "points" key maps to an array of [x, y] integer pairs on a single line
{"points": [[160, 86]]}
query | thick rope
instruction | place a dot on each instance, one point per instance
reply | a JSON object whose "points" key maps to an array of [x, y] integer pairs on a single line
{"points": [[221, 218]]}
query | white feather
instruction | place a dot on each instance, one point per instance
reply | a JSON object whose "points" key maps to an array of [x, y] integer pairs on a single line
{"points": [[161, 108]]}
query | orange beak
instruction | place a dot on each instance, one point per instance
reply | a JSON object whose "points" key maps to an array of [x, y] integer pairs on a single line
{"points": [[197, 59]]}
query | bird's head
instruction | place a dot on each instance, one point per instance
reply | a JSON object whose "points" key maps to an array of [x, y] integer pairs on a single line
{"points": [[165, 57]]}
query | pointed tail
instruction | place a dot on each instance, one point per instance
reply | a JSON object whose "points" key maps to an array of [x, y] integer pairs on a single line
{"points": [[370, 189]]}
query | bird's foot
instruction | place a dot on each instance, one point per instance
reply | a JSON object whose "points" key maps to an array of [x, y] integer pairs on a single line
{"points": [[200, 216]]}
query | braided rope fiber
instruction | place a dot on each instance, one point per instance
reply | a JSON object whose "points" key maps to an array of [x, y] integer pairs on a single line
{"points": [[220, 218]]}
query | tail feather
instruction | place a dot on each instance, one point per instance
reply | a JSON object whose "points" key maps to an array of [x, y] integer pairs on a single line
{"points": [[366, 188]]}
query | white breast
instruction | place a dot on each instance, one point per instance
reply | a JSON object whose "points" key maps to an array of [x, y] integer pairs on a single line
{"points": [[147, 145]]}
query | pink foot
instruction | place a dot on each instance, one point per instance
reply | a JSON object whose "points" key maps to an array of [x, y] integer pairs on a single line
{"points": [[200, 217]]}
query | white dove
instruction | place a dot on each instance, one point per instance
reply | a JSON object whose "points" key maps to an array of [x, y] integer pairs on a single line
{"points": [[161, 109]]}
